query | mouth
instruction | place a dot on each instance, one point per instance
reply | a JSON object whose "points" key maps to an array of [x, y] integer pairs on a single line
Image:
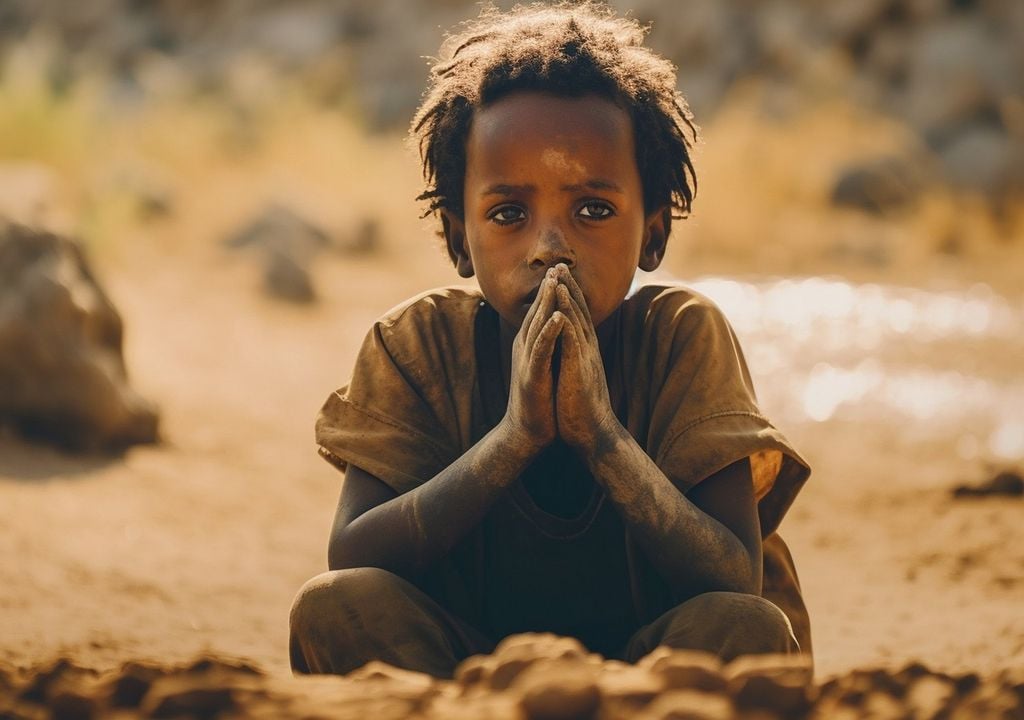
{"points": [[531, 296]]}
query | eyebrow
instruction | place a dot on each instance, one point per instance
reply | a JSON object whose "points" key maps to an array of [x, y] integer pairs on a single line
{"points": [[594, 184]]}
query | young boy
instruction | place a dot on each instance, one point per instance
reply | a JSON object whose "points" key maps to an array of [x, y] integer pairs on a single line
{"points": [[551, 453]]}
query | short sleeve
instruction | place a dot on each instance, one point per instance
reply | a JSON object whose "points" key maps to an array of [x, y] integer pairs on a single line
{"points": [[703, 411], [403, 415]]}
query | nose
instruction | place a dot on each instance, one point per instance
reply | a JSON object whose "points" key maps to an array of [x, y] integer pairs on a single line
{"points": [[550, 248]]}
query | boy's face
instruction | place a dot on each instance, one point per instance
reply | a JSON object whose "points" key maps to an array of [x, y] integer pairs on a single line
{"points": [[553, 179]]}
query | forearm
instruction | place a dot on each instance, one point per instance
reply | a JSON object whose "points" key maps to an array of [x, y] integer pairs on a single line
{"points": [[407, 534], [693, 551]]}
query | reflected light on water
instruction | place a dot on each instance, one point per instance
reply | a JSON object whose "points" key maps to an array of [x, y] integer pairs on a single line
{"points": [[927, 363]]}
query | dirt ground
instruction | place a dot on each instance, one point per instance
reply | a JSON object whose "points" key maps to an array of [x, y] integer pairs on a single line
{"points": [[198, 545]]}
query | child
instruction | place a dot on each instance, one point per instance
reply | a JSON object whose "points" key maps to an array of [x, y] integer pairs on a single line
{"points": [[549, 453]]}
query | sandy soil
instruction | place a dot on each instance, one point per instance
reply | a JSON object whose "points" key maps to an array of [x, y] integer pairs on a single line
{"points": [[199, 544]]}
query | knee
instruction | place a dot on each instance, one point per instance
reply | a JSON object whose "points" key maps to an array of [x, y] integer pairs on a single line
{"points": [[743, 623], [352, 593]]}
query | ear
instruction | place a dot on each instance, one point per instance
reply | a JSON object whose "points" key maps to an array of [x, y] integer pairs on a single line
{"points": [[454, 229], [657, 227]]}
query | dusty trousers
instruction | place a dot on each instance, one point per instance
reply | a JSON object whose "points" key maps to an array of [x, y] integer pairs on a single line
{"points": [[345, 618]]}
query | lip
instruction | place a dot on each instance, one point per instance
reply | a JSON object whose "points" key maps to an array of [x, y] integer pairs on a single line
{"points": [[531, 296]]}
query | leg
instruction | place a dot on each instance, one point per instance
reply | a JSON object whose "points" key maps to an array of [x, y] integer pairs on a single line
{"points": [[343, 619], [782, 586], [724, 623]]}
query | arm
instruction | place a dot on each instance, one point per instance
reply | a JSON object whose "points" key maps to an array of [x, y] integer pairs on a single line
{"points": [[710, 541], [407, 533]]}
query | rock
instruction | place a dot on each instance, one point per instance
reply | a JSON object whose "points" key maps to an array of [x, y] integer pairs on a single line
{"points": [[130, 685], [517, 652], [929, 695], [474, 670], [284, 277], [182, 695], [62, 371], [796, 669], [1007, 483], [686, 669], [361, 239], [779, 683], [880, 186], [984, 158], [277, 226], [70, 705], [59, 677], [629, 685], [396, 683], [558, 690], [493, 706], [786, 695], [540, 645], [688, 705], [287, 243]]}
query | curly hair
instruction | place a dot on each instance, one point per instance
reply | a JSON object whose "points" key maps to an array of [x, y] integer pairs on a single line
{"points": [[569, 49]]}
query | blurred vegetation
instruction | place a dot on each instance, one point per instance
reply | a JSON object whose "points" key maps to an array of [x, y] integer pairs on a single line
{"points": [[147, 129]]}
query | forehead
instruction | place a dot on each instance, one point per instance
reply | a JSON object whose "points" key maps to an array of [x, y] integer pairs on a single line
{"points": [[532, 132]]}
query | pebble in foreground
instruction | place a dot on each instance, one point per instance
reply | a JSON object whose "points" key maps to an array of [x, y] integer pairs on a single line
{"points": [[529, 677]]}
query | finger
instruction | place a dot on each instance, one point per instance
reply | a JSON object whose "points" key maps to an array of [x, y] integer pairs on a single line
{"points": [[571, 308], [573, 345], [532, 312], [543, 306], [544, 347], [575, 290]]}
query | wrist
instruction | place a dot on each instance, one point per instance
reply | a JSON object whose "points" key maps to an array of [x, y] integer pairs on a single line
{"points": [[602, 438], [519, 445]]}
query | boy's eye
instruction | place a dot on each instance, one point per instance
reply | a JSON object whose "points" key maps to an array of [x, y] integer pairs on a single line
{"points": [[596, 210], [506, 214]]}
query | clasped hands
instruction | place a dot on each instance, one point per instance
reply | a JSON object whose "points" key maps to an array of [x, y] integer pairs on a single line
{"points": [[571, 403]]}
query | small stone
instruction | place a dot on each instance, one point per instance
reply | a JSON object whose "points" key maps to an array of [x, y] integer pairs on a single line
{"points": [[182, 695], [217, 664], [46, 683], [785, 695], [558, 690], [131, 685], [69, 705], [686, 669], [1006, 483], [688, 705], [881, 186], [377, 670], [507, 669], [798, 668], [628, 684], [929, 695], [780, 683], [541, 645], [474, 670]]}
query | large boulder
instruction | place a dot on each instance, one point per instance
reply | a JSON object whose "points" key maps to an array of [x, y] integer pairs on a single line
{"points": [[62, 371]]}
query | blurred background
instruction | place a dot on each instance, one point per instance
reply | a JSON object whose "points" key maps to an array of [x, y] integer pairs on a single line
{"points": [[238, 176]]}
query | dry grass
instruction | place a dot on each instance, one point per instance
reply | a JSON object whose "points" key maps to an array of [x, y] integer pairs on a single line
{"points": [[763, 205]]}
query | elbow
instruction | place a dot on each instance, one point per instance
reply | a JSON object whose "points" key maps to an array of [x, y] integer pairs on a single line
{"points": [[737, 576]]}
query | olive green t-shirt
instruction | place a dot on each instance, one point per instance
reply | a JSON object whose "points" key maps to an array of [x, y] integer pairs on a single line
{"points": [[553, 553]]}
